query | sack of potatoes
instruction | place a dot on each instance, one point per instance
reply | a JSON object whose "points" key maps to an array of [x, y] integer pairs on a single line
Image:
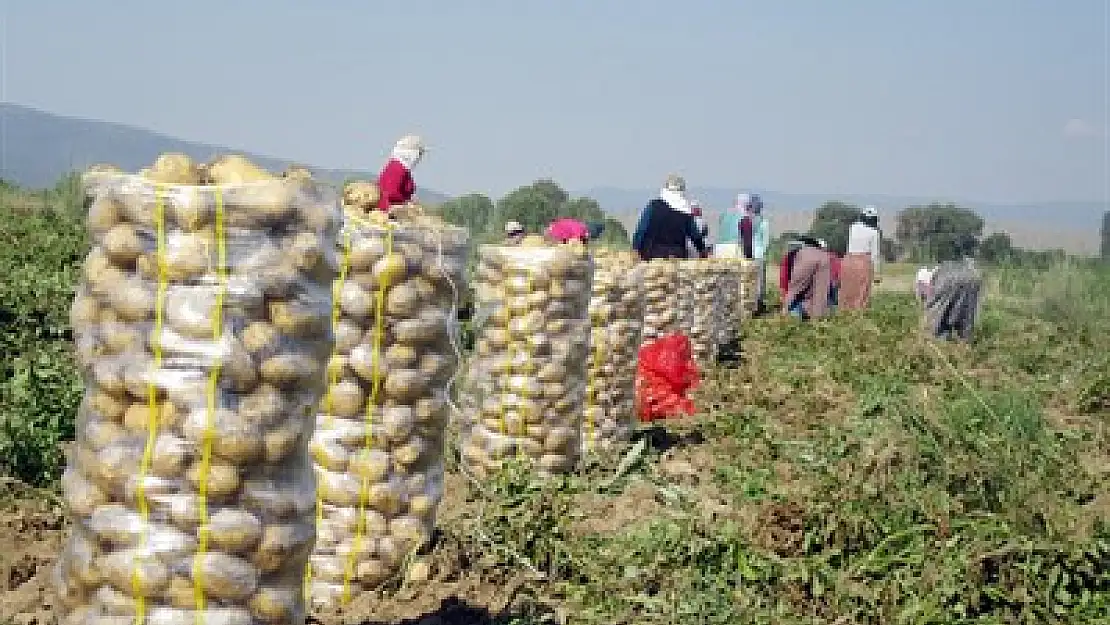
{"points": [[202, 331], [696, 290], [526, 379], [664, 310], [616, 317], [749, 280], [379, 439], [728, 281]]}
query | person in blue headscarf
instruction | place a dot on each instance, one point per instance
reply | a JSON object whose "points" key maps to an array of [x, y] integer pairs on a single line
{"points": [[755, 237]]}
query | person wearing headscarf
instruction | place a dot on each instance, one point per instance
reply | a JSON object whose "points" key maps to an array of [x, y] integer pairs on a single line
{"points": [[923, 283], [395, 180], [787, 264], [514, 233], [807, 294], [953, 303], [569, 229], [834, 274], [666, 225], [755, 237], [860, 267], [728, 228]]}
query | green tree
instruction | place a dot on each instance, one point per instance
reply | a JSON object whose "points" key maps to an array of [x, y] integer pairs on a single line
{"points": [[996, 247], [474, 212], [615, 233], [534, 206], [938, 232], [1105, 247], [831, 221], [582, 208]]}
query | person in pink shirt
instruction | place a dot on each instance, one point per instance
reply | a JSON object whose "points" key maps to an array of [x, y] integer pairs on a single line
{"points": [[567, 229], [395, 180]]}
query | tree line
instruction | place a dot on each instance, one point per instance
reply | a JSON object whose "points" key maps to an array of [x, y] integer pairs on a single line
{"points": [[534, 206], [930, 233]]}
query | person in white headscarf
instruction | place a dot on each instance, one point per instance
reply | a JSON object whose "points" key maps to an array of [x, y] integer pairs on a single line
{"points": [[860, 267], [666, 224], [395, 181]]}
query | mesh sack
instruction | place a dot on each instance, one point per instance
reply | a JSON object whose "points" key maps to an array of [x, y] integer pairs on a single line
{"points": [[665, 311], [379, 439], [201, 328], [526, 380], [616, 317]]}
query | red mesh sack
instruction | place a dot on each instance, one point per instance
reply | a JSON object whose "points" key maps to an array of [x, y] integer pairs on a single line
{"points": [[665, 373]]}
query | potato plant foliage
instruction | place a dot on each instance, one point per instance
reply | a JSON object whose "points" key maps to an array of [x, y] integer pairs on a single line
{"points": [[847, 472]]}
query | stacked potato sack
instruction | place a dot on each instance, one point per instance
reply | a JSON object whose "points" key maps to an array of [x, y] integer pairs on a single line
{"points": [[701, 280], [202, 333], [728, 281], [616, 314], [526, 380], [749, 276], [663, 305], [378, 446]]}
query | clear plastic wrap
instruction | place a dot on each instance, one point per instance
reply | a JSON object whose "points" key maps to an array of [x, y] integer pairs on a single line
{"points": [[202, 332], [379, 439], [616, 315], [665, 311], [526, 380]]}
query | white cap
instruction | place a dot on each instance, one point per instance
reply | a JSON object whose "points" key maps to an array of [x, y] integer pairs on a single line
{"points": [[822, 244], [870, 211], [513, 227]]}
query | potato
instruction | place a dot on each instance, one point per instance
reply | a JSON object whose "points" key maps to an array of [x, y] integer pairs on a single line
{"points": [[226, 577]]}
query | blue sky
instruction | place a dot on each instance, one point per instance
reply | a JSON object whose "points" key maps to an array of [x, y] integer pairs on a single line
{"points": [[992, 100]]}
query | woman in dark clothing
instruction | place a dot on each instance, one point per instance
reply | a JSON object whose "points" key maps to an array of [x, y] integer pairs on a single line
{"points": [[666, 225]]}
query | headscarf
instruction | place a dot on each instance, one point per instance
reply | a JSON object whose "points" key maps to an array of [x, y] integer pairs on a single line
{"points": [[674, 193], [408, 151], [567, 229]]}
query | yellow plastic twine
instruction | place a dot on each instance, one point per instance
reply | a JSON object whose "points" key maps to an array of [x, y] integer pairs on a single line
{"points": [[200, 599], [371, 404], [333, 379], [137, 591], [597, 348]]}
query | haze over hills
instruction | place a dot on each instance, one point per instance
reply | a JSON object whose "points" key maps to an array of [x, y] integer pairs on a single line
{"points": [[37, 147]]}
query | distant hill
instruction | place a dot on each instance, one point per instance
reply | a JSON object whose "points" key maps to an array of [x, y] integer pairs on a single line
{"points": [[40, 147], [1073, 226]]}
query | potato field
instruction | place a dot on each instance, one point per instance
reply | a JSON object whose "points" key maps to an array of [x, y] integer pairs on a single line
{"points": [[847, 471]]}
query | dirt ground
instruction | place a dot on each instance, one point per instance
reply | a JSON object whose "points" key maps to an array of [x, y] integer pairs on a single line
{"points": [[460, 590]]}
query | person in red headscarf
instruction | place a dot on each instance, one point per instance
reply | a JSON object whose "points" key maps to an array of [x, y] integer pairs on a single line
{"points": [[395, 180]]}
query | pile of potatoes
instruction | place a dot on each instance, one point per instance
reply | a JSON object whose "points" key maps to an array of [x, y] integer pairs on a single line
{"points": [[616, 316], [202, 332], [664, 310], [526, 380], [379, 440]]}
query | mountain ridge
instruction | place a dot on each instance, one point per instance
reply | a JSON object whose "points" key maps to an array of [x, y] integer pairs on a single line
{"points": [[39, 147]]}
